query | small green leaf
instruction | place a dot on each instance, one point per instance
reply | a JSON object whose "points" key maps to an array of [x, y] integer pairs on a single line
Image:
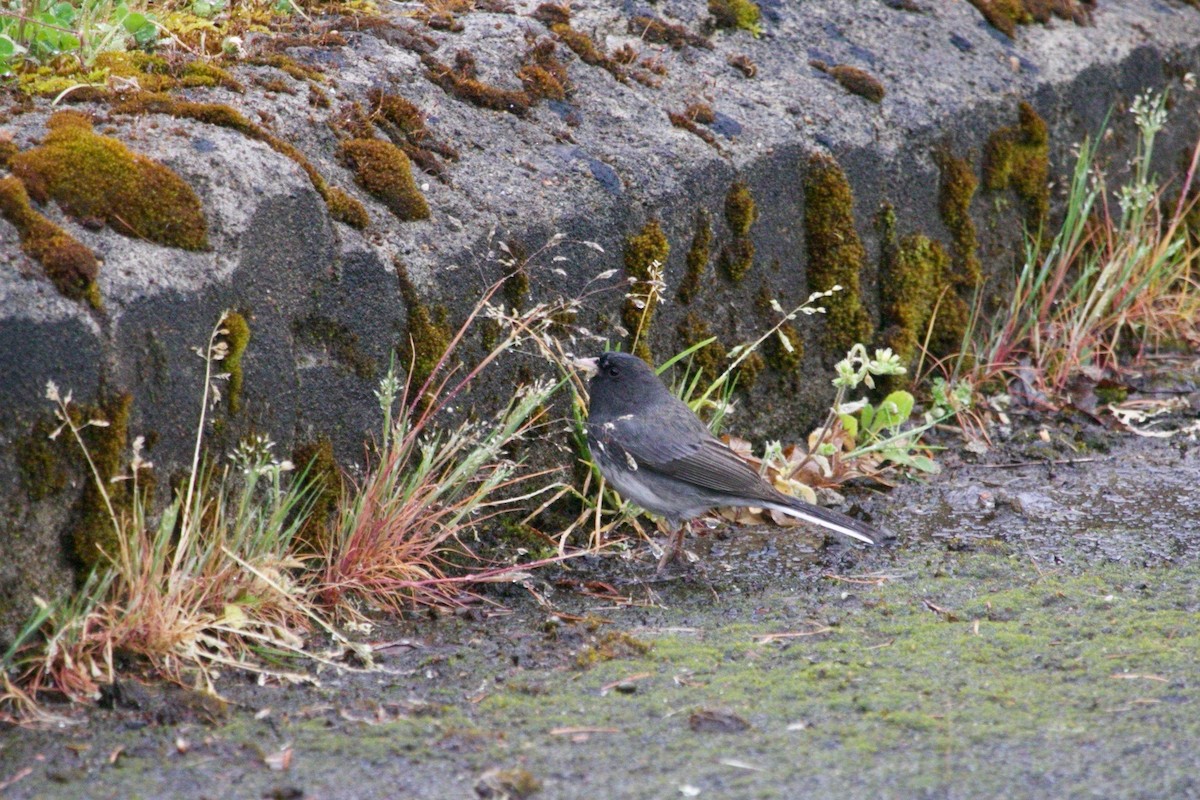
{"points": [[850, 425], [903, 401], [867, 416]]}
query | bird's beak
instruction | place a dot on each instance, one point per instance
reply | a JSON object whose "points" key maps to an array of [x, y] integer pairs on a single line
{"points": [[588, 366]]}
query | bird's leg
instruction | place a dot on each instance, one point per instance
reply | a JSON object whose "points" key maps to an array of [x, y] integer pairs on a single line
{"points": [[675, 548]]}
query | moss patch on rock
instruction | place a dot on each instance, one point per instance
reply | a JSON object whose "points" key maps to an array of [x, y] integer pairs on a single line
{"points": [[156, 73], [642, 251], [836, 256], [462, 82], [428, 332], [96, 177], [737, 257], [324, 480], [912, 273], [743, 14], [854, 80], [41, 461], [783, 351], [697, 259], [69, 265], [658, 31], [1018, 157], [1006, 15], [93, 539], [963, 276], [406, 126], [342, 207], [710, 359], [384, 170], [235, 336]]}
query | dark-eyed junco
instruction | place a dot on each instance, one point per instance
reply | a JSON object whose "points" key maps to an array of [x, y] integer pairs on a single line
{"points": [[656, 453]]}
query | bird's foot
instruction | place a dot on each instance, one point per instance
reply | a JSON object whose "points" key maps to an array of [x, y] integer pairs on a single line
{"points": [[673, 551]]}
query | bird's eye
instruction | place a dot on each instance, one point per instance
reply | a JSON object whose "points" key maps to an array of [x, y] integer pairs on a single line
{"points": [[613, 372]]}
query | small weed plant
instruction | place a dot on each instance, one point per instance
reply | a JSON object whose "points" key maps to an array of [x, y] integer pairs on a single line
{"points": [[1110, 283]]}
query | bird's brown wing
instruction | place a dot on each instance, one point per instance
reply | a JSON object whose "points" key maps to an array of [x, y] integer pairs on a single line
{"points": [[682, 448]]}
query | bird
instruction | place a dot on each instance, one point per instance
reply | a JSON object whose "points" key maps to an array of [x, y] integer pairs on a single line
{"points": [[660, 456]]}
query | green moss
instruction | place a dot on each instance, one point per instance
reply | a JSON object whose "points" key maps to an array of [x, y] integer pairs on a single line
{"points": [[742, 14], [749, 370], [93, 537], [836, 257], [711, 359], [384, 171], [697, 259], [41, 461], [512, 534], [154, 73], [912, 273], [737, 257], [204, 73], [543, 75], [95, 177], [955, 192], [69, 265], [290, 66], [778, 356], [740, 211], [236, 336], [1018, 157], [342, 207], [324, 479], [8, 149], [428, 333], [961, 279], [552, 14], [338, 340], [642, 250], [558, 19], [405, 125], [1003, 15]]}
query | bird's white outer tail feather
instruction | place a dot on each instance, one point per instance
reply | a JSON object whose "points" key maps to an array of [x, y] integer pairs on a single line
{"points": [[816, 518]]}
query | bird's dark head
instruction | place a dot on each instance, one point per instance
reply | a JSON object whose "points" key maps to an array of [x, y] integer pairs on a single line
{"points": [[622, 384]]}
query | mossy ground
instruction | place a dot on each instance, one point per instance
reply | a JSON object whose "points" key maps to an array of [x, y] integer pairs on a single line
{"points": [[1024, 650]]}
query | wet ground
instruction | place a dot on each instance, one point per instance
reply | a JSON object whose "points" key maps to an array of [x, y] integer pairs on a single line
{"points": [[1033, 632]]}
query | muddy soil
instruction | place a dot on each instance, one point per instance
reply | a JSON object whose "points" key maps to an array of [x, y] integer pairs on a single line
{"points": [[1033, 632]]}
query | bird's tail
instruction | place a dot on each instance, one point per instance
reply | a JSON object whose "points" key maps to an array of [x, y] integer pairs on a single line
{"points": [[835, 521]]}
